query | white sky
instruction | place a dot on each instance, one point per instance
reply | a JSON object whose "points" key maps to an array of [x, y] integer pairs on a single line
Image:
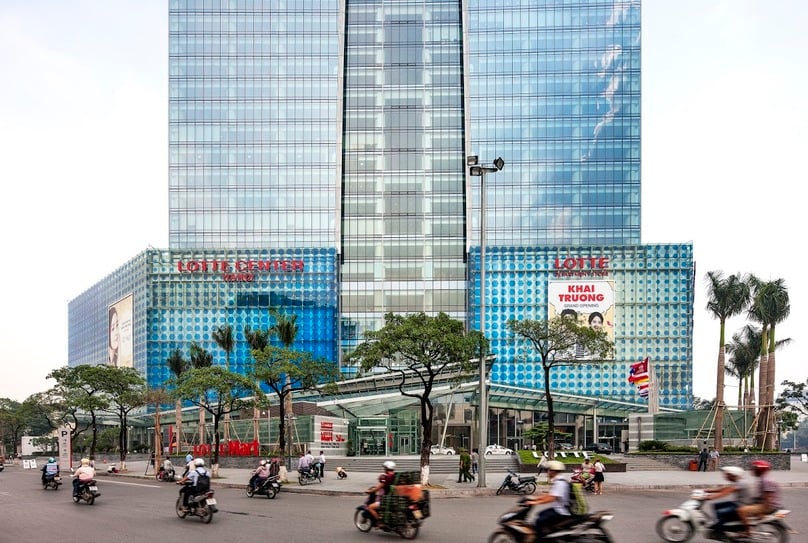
{"points": [[83, 157]]}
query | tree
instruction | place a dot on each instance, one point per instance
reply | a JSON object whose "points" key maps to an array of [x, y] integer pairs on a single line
{"points": [[744, 351], [283, 370], [83, 387], [223, 336], [52, 408], [285, 329], [15, 418], [125, 390], [257, 340], [217, 391], [770, 306], [157, 397], [794, 397], [555, 341], [177, 364], [726, 297], [200, 358], [421, 347]]}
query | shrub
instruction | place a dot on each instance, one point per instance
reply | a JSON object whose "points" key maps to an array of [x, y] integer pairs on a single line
{"points": [[654, 445]]}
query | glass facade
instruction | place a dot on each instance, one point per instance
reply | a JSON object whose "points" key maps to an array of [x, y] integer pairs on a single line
{"points": [[554, 89], [650, 314], [253, 123], [403, 190], [182, 296]]}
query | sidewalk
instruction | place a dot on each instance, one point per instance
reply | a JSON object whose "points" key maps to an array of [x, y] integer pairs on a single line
{"points": [[357, 482]]}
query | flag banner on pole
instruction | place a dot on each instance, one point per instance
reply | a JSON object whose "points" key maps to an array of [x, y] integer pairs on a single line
{"points": [[638, 372]]}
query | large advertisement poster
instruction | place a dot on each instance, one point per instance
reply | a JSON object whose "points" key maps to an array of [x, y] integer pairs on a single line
{"points": [[120, 340], [589, 302]]}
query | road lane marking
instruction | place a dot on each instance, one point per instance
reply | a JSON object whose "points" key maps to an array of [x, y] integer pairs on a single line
{"points": [[131, 484]]}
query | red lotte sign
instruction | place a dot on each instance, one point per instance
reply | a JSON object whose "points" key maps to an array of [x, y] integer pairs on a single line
{"points": [[233, 447], [582, 266], [240, 271]]}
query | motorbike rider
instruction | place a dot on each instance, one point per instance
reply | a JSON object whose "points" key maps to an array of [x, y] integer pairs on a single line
{"points": [[84, 474], [737, 487], [768, 499], [168, 469], [49, 470], [558, 497], [260, 474], [195, 482], [380, 489], [274, 467]]}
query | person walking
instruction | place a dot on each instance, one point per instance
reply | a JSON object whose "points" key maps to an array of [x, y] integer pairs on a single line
{"points": [[704, 456], [321, 462], [475, 462], [714, 458], [598, 480], [464, 475]]}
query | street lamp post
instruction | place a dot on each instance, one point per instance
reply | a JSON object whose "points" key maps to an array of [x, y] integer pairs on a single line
{"points": [[479, 171]]}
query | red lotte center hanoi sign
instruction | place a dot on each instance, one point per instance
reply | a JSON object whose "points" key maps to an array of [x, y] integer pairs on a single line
{"points": [[581, 266], [240, 271]]}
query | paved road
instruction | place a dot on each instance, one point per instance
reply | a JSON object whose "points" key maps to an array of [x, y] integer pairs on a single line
{"points": [[142, 510]]}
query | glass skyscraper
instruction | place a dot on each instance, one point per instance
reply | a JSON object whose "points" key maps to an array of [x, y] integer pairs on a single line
{"points": [[345, 124], [342, 127]]}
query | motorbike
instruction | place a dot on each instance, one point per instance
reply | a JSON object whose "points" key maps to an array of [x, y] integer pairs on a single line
{"points": [[112, 468], [681, 524], [308, 475], [268, 487], [166, 475], [202, 505], [587, 483], [516, 483], [87, 491], [52, 481], [408, 520], [341, 473], [515, 528]]}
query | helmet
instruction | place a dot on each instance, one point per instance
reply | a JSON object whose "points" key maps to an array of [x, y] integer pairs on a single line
{"points": [[389, 464], [555, 465], [735, 471], [85, 461], [262, 463], [761, 466], [51, 459], [199, 462]]}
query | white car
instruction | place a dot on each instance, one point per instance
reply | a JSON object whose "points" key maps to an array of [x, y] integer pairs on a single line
{"points": [[497, 449], [435, 449]]}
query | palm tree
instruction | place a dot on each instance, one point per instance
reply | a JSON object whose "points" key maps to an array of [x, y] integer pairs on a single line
{"points": [[200, 358], [223, 336], [771, 305], [177, 364], [285, 329], [727, 297], [257, 340], [744, 352]]}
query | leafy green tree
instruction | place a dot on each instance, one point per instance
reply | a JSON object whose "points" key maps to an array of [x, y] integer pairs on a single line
{"points": [[257, 340], [771, 305], [726, 297], [555, 341], [200, 358], [744, 350], [420, 347], [285, 329], [125, 391], [217, 391], [83, 387], [283, 370], [53, 408], [794, 397], [15, 418]]}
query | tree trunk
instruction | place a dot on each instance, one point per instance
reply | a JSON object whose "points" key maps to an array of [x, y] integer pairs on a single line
{"points": [[215, 456], [177, 426], [719, 394]]}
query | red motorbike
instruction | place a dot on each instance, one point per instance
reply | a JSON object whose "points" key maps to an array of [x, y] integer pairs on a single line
{"points": [[586, 480]]}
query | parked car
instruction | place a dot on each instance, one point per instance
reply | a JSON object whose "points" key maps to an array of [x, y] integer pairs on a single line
{"points": [[497, 449], [435, 449], [600, 448], [564, 446]]}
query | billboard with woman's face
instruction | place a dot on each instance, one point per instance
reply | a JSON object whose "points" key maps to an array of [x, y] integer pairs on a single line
{"points": [[119, 340], [589, 302]]}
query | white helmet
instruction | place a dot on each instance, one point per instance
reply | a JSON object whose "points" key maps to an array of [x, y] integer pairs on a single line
{"points": [[733, 470], [199, 462], [555, 465], [262, 463], [389, 464]]}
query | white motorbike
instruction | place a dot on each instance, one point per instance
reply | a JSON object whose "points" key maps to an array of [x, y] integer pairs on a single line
{"points": [[681, 524]]}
